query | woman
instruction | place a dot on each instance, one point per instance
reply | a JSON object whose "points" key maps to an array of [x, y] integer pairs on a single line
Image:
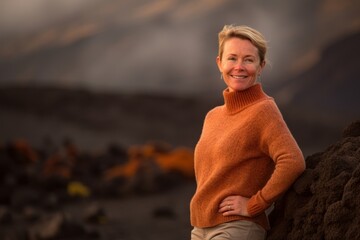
{"points": [[246, 156]]}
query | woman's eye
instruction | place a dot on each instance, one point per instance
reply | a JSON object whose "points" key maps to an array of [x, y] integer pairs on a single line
{"points": [[249, 60], [232, 59]]}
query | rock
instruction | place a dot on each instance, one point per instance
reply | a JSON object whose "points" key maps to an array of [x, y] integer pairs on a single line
{"points": [[25, 196], [18, 234], [95, 214], [31, 214], [59, 226], [5, 215], [353, 130], [48, 228], [302, 185], [50, 201], [324, 203]]}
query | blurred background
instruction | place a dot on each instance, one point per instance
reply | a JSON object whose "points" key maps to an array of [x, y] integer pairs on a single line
{"points": [[65, 60], [104, 75]]}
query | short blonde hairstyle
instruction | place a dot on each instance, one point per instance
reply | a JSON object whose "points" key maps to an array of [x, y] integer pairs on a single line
{"points": [[243, 32]]}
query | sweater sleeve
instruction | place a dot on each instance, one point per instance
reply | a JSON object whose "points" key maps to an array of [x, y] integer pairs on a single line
{"points": [[278, 143]]}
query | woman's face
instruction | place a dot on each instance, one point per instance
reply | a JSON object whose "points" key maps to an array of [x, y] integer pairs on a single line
{"points": [[240, 64]]}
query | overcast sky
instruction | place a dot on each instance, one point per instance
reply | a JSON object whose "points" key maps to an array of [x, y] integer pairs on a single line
{"points": [[296, 32], [23, 16]]}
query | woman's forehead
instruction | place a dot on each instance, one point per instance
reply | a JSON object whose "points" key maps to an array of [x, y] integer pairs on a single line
{"points": [[238, 45]]}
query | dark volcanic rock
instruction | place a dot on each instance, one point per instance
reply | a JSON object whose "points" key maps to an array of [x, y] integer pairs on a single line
{"points": [[353, 130], [95, 214], [58, 226], [5, 215], [324, 202]]}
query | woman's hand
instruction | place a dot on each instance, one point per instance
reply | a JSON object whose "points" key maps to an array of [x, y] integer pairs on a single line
{"points": [[234, 205]]}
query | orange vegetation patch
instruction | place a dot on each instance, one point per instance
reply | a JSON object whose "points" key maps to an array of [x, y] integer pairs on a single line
{"points": [[177, 160], [57, 166], [124, 170], [23, 147]]}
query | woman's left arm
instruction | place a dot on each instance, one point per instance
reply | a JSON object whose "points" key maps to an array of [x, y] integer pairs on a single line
{"points": [[278, 142]]}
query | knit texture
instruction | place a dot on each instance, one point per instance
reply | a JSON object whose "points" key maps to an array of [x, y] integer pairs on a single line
{"points": [[245, 148]]}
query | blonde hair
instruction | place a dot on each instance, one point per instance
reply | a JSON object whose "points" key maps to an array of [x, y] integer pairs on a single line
{"points": [[243, 32]]}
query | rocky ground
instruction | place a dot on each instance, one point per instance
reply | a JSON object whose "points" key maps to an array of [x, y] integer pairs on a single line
{"points": [[143, 193], [78, 166], [62, 193]]}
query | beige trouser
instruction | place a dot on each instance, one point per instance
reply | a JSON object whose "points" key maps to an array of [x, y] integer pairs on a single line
{"points": [[236, 230]]}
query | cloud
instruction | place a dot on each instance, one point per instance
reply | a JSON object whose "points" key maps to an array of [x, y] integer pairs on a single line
{"points": [[26, 16]]}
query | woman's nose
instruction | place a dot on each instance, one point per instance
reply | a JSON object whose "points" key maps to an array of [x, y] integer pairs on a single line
{"points": [[239, 65]]}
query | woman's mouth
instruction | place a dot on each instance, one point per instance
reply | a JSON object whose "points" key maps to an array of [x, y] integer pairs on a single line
{"points": [[239, 76]]}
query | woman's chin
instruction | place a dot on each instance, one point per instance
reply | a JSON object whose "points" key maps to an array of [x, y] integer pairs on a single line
{"points": [[238, 88], [240, 85]]}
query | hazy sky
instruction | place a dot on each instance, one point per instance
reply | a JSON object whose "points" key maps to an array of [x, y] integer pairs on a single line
{"points": [[138, 44], [21, 16]]}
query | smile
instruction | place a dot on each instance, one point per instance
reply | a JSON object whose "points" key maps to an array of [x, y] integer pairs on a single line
{"points": [[239, 76]]}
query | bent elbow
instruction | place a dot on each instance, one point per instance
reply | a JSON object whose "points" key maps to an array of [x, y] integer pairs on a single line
{"points": [[301, 166]]}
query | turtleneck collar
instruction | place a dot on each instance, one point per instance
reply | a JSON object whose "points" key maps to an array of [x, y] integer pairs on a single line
{"points": [[238, 100]]}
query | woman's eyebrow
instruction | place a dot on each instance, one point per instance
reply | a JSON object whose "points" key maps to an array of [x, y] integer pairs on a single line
{"points": [[249, 55]]}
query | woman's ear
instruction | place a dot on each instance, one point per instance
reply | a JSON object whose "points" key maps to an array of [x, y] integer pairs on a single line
{"points": [[218, 62], [262, 65]]}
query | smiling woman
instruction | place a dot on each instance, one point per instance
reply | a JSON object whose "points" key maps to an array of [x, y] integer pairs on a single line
{"points": [[246, 156], [240, 64], [242, 58]]}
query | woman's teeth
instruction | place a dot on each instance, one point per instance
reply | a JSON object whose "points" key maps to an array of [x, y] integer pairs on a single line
{"points": [[238, 76]]}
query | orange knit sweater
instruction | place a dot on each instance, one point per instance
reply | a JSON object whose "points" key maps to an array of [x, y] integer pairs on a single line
{"points": [[245, 149]]}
